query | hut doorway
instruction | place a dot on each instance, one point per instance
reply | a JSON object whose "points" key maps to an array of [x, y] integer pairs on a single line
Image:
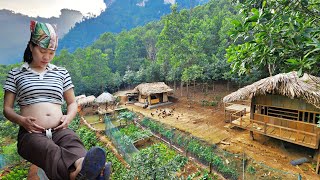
{"points": [[160, 97]]}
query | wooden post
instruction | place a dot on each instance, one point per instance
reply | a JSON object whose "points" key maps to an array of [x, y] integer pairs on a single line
{"points": [[251, 135], [210, 167], [224, 108], [265, 128], [252, 108], [318, 162], [240, 118]]}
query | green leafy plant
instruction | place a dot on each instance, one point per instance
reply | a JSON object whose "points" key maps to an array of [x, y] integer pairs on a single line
{"points": [[10, 153], [135, 133], [8, 129], [88, 137], [251, 170], [128, 116], [75, 123], [18, 172], [156, 162]]}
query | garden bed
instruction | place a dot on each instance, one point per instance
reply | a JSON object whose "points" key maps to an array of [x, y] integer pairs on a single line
{"points": [[144, 143], [132, 140]]}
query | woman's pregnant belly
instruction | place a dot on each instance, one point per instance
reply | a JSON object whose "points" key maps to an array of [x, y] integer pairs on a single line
{"points": [[47, 114]]}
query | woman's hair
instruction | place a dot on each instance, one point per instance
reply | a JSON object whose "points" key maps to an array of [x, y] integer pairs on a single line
{"points": [[43, 35], [27, 56]]}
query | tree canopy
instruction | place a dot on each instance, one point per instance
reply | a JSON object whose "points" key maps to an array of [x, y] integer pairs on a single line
{"points": [[276, 36]]}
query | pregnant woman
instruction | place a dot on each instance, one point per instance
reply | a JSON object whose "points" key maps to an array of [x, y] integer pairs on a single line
{"points": [[39, 88]]}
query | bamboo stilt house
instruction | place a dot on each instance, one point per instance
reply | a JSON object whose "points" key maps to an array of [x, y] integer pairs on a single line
{"points": [[284, 106], [153, 93]]}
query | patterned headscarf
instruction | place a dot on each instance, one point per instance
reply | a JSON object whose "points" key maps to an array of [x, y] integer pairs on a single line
{"points": [[44, 35]]}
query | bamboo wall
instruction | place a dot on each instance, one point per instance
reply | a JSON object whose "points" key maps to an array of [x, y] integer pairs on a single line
{"points": [[285, 102]]}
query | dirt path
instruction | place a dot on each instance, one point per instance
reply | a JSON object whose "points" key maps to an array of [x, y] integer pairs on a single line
{"points": [[207, 123]]}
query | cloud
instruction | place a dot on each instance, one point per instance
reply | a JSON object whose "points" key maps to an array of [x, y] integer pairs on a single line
{"points": [[47, 9], [15, 33], [169, 1]]}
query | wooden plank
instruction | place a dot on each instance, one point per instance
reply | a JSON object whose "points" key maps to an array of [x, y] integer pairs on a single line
{"points": [[292, 124], [301, 110], [276, 132], [285, 133], [282, 115], [276, 135], [300, 126], [313, 141], [270, 129], [237, 107], [300, 137], [307, 140], [309, 128], [293, 136]]}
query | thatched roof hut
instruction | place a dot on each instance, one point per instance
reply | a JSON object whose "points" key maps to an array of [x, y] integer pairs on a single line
{"points": [[289, 84], [86, 100], [152, 88], [105, 98]]}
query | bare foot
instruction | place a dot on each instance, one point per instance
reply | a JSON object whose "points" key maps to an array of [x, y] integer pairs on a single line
{"points": [[78, 165]]}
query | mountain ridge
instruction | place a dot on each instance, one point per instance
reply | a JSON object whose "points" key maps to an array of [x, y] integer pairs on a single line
{"points": [[120, 15]]}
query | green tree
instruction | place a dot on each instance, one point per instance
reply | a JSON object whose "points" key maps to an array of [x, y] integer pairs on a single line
{"points": [[276, 36]]}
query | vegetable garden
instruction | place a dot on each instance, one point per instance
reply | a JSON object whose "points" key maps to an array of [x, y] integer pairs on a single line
{"points": [[151, 150], [156, 151]]}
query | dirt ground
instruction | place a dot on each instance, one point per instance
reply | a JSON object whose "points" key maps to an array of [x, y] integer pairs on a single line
{"points": [[207, 122]]}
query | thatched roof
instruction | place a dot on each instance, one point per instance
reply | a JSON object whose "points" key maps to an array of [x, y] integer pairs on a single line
{"points": [[290, 84], [152, 88], [105, 97], [86, 100], [124, 93]]}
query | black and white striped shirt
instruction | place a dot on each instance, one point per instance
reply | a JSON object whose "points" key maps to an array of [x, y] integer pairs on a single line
{"points": [[32, 87]]}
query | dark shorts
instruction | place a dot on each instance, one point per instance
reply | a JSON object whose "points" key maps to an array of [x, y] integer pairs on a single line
{"points": [[55, 156]]}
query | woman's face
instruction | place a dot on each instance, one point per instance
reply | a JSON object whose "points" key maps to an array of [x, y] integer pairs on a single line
{"points": [[41, 57]]}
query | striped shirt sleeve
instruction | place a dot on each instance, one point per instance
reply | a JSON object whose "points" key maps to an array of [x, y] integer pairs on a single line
{"points": [[10, 84], [67, 82]]}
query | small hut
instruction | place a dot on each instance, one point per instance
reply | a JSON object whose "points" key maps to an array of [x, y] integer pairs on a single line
{"points": [[85, 101], [153, 93], [127, 97], [105, 98], [284, 106], [108, 100]]}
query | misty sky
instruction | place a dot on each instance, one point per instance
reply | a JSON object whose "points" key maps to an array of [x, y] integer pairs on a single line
{"points": [[51, 8], [15, 34]]}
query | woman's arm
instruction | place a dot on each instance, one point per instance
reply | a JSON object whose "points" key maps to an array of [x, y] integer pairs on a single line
{"points": [[11, 115], [72, 109]]}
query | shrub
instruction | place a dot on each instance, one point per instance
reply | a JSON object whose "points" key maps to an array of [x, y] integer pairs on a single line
{"points": [[18, 172], [251, 170], [88, 137], [8, 129], [75, 123], [10, 153]]}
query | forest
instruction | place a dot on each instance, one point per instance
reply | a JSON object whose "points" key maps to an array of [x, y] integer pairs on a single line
{"points": [[225, 41]]}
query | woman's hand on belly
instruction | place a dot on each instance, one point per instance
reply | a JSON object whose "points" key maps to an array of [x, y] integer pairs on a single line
{"points": [[65, 121], [46, 115], [29, 124]]}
